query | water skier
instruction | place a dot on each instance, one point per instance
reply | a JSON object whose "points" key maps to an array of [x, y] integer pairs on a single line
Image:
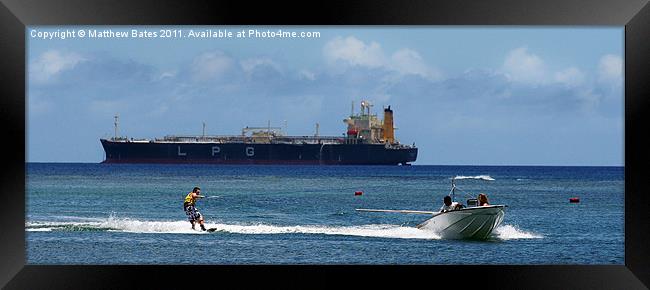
{"points": [[190, 207]]}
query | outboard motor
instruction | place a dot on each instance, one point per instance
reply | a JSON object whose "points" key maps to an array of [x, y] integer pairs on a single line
{"points": [[472, 202]]}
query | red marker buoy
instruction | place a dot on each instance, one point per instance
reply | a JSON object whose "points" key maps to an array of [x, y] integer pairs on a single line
{"points": [[358, 192], [574, 200]]}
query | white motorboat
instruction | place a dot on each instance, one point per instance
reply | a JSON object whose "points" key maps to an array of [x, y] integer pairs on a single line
{"points": [[469, 222]]}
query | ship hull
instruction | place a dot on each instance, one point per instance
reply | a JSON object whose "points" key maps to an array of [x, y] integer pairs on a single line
{"points": [[256, 153]]}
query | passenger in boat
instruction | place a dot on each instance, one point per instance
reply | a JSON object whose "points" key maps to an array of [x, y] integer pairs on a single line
{"points": [[193, 215], [482, 199], [449, 206]]}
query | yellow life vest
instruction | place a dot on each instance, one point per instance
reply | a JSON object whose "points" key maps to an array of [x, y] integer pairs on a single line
{"points": [[190, 199]]}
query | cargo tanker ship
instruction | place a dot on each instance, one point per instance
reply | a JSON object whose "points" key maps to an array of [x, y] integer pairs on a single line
{"points": [[368, 141]]}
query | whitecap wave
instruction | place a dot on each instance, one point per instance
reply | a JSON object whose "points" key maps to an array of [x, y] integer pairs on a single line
{"points": [[40, 229], [481, 177]]}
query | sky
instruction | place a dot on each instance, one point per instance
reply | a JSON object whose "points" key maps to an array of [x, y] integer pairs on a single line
{"points": [[465, 95]]}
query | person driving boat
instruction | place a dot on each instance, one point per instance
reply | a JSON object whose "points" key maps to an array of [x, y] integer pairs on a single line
{"points": [[449, 205]]}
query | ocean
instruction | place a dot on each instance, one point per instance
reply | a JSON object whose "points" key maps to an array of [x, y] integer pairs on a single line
{"points": [[104, 214]]}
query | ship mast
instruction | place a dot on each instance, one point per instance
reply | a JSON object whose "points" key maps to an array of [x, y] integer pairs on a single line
{"points": [[116, 123]]}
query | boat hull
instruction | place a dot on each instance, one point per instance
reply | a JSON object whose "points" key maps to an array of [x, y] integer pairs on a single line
{"points": [[256, 153], [468, 223]]}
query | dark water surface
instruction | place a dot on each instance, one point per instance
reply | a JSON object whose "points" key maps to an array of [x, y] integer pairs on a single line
{"points": [[132, 214]]}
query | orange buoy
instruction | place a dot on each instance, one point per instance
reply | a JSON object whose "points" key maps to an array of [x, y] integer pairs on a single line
{"points": [[358, 192], [574, 200]]}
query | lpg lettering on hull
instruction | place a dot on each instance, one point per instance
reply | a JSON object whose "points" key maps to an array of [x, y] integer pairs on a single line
{"points": [[181, 153], [215, 150], [250, 151]]}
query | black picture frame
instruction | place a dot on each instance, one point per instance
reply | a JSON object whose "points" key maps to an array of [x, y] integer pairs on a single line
{"points": [[15, 15]]}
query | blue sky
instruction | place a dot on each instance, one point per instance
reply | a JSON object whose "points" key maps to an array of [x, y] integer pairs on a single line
{"points": [[465, 95]]}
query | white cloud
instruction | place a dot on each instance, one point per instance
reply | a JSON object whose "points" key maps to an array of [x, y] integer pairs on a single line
{"points": [[164, 76], [306, 74], [354, 52], [589, 99], [249, 65], [407, 61], [167, 74], [522, 66], [210, 65], [571, 77], [53, 62], [610, 69]]}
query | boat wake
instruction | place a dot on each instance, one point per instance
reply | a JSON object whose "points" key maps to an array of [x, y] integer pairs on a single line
{"points": [[182, 227], [508, 232], [127, 225]]}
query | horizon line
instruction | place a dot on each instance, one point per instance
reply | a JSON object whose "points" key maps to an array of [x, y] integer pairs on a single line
{"points": [[464, 165]]}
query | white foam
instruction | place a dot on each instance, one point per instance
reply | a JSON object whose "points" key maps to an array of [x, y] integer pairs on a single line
{"points": [[55, 224], [40, 230], [112, 223], [482, 177], [183, 227], [508, 232], [383, 231], [137, 226]]}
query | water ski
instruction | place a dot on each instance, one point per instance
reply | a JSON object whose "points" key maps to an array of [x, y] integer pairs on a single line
{"points": [[211, 230]]}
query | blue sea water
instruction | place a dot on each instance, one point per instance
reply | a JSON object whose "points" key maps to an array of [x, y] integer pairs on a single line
{"points": [[132, 214]]}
